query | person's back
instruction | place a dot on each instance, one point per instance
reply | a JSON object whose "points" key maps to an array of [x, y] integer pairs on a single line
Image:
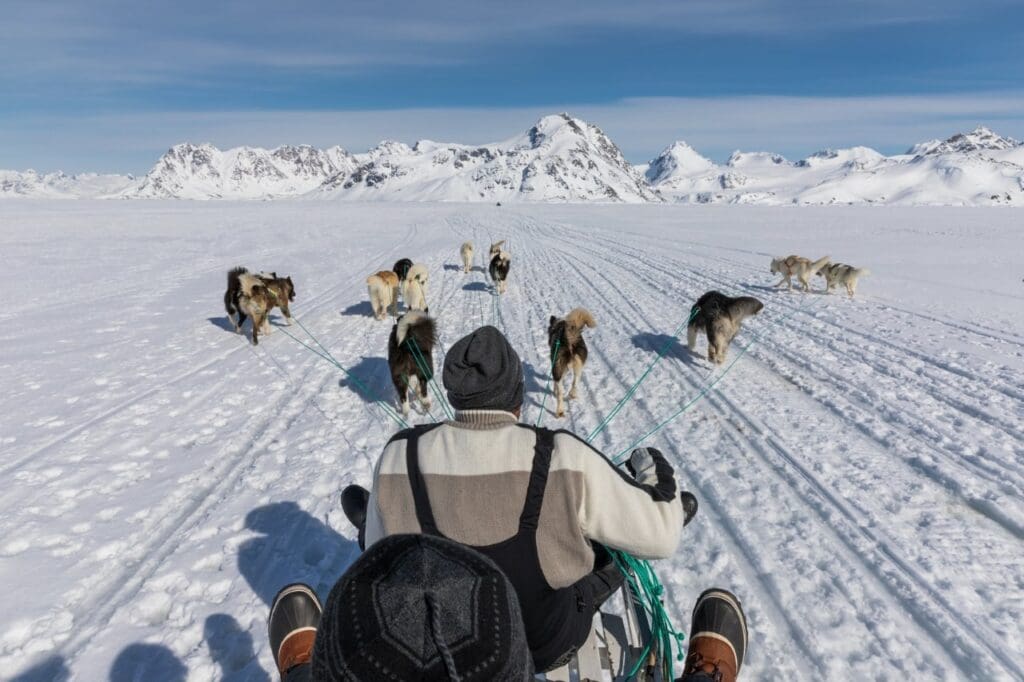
{"points": [[533, 500]]}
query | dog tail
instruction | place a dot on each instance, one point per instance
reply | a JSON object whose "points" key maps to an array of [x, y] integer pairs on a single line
{"points": [[233, 276], [418, 272], [578, 319], [413, 294], [421, 330], [861, 272], [234, 288], [818, 265]]}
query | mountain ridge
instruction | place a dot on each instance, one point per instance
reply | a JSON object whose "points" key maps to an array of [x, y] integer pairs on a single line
{"points": [[561, 158]]}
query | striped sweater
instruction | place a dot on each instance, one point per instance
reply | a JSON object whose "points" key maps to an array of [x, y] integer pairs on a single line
{"points": [[476, 470]]}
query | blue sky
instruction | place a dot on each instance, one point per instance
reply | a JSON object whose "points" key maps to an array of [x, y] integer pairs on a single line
{"points": [[108, 85]]}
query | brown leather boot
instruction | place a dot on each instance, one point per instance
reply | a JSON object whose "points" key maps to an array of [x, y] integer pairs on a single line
{"points": [[718, 638]]}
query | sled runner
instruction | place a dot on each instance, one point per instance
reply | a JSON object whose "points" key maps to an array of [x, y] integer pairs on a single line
{"points": [[614, 648]]}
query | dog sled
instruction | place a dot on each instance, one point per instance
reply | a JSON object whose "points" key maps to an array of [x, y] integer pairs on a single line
{"points": [[617, 649]]}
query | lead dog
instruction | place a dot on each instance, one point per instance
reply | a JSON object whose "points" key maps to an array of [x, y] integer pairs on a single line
{"points": [[498, 270], [802, 267], [467, 257], [414, 288], [411, 357], [840, 273], [720, 316], [568, 349], [256, 295], [383, 290]]}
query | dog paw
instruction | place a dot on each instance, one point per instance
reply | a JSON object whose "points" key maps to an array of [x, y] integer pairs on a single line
{"points": [[573, 395]]}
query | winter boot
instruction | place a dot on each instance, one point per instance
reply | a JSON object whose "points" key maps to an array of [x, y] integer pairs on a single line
{"points": [[354, 502], [718, 638], [689, 506], [294, 617]]}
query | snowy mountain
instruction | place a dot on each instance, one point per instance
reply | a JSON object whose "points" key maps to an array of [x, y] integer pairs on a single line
{"points": [[564, 159], [561, 158], [977, 168], [58, 185], [188, 171]]}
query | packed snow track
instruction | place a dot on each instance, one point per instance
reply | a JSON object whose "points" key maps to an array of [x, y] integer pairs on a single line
{"points": [[860, 469]]}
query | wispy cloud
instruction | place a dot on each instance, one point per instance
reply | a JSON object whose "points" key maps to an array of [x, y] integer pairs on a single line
{"points": [[795, 126], [124, 41]]}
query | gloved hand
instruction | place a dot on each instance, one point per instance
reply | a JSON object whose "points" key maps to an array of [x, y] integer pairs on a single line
{"points": [[641, 462]]}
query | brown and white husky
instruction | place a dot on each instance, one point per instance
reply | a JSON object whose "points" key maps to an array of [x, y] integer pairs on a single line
{"points": [[568, 350], [382, 288], [802, 267], [255, 295]]}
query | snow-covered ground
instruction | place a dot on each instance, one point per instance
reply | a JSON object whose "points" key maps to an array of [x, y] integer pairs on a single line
{"points": [[860, 469]]}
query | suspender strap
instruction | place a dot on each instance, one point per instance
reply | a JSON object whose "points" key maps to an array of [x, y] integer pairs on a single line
{"points": [[538, 479], [424, 514]]}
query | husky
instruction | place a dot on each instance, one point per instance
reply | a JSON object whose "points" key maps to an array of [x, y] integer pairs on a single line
{"points": [[467, 257], [499, 270], [402, 268], [247, 295], [802, 267], [383, 290], [414, 288], [568, 350], [495, 249], [720, 316], [243, 298], [410, 357], [840, 273]]}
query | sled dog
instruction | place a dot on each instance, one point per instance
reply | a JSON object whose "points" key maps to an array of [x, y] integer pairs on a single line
{"points": [[499, 270], [720, 316], [383, 290], [802, 267], [495, 249], [568, 350], [840, 273], [467, 257], [414, 288], [247, 295], [410, 357], [242, 296], [402, 268]]}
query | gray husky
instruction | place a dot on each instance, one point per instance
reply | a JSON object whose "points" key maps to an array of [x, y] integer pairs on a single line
{"points": [[720, 316]]}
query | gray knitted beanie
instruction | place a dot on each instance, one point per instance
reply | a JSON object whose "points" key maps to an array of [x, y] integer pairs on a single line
{"points": [[483, 372], [420, 607]]}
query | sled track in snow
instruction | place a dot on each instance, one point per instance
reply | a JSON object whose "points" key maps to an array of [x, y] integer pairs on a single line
{"points": [[174, 528], [891, 573]]}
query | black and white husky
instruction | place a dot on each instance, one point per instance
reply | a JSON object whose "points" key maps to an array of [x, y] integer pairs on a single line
{"points": [[568, 350], [840, 273], [720, 316], [411, 357], [499, 270]]}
